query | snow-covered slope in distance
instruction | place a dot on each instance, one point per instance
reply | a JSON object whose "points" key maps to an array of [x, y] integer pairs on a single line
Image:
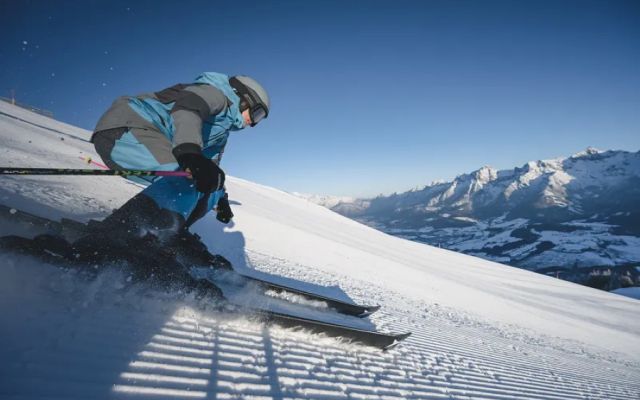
{"points": [[481, 329], [325, 201]]}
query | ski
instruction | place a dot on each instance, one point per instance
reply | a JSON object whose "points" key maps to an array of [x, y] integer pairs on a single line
{"points": [[281, 312], [373, 338], [343, 307]]}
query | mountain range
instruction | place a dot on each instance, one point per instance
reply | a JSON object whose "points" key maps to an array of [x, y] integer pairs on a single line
{"points": [[553, 216]]}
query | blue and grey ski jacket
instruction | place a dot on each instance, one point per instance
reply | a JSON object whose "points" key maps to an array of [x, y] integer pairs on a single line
{"points": [[149, 131], [192, 117]]}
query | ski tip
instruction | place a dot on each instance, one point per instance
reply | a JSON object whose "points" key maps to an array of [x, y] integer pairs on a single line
{"points": [[396, 340], [368, 310], [372, 309]]}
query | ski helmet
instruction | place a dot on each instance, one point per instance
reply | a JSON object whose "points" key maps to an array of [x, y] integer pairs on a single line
{"points": [[252, 97]]}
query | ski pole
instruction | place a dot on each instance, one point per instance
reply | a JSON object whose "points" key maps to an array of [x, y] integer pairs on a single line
{"points": [[91, 161], [72, 171]]}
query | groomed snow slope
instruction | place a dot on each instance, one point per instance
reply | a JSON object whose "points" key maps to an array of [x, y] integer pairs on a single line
{"points": [[481, 330]]}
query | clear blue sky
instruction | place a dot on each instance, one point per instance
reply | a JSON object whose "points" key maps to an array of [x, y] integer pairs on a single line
{"points": [[368, 96]]}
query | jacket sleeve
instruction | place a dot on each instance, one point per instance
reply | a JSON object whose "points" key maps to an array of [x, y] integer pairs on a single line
{"points": [[193, 105]]}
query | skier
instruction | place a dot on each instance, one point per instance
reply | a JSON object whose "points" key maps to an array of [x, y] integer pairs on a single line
{"points": [[186, 127]]}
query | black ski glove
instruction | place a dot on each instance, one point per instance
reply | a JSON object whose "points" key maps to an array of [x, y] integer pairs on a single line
{"points": [[207, 175], [224, 214]]}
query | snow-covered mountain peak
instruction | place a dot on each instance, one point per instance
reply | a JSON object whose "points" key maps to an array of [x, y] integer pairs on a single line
{"points": [[485, 175], [589, 151]]}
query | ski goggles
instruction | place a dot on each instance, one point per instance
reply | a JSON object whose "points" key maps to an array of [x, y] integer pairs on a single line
{"points": [[257, 110], [257, 114]]}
